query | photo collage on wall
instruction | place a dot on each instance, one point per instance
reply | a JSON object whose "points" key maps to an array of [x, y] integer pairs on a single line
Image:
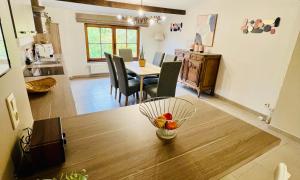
{"points": [[176, 27]]}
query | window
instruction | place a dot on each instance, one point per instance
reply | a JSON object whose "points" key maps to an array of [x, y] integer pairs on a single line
{"points": [[101, 38]]}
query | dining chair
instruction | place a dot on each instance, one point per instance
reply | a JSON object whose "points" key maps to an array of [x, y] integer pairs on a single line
{"points": [[170, 58], [126, 54], [167, 81], [113, 74], [158, 59], [126, 87]]}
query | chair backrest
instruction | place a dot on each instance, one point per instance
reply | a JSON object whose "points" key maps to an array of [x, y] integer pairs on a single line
{"points": [[168, 79], [170, 58], [158, 59], [126, 54], [122, 74], [112, 70]]}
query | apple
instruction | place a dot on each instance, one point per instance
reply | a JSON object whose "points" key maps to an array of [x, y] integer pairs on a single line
{"points": [[170, 125], [168, 116]]}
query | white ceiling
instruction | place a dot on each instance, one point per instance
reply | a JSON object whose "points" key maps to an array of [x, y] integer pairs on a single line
{"points": [[177, 4]]}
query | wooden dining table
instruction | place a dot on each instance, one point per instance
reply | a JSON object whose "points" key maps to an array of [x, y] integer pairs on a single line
{"points": [[149, 69], [122, 144]]}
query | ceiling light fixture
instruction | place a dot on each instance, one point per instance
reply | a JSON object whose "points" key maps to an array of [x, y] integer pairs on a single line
{"points": [[142, 19], [141, 11]]}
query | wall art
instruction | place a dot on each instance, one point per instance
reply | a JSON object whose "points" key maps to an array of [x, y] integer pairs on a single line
{"points": [[206, 27], [260, 25], [175, 27]]}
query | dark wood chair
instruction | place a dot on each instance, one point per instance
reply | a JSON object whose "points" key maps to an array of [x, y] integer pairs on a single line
{"points": [[113, 74], [167, 82], [126, 87]]}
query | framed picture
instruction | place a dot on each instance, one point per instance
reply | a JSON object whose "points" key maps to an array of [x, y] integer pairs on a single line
{"points": [[4, 59], [206, 27]]}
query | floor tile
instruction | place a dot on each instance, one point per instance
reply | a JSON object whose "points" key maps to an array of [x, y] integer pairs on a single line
{"points": [[257, 172]]}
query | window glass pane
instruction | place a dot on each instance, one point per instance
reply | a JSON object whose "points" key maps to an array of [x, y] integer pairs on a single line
{"points": [[106, 48], [120, 46], [93, 35], [131, 36], [134, 49], [95, 50], [106, 35], [121, 35]]}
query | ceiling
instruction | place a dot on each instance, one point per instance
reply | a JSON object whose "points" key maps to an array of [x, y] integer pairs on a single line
{"points": [[176, 4]]}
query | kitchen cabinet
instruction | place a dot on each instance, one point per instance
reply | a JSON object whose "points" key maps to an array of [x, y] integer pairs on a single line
{"points": [[22, 16]]}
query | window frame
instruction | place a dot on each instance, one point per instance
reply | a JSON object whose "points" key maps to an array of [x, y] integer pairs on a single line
{"points": [[114, 43]]}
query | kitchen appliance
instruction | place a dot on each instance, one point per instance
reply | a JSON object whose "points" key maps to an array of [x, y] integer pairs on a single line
{"points": [[44, 50]]}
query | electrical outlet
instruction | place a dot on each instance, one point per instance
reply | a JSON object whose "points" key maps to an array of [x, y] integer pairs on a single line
{"points": [[13, 110]]}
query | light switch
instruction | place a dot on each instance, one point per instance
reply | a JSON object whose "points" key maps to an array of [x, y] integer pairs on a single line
{"points": [[13, 110]]}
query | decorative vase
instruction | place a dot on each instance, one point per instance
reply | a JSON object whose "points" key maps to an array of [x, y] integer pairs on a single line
{"points": [[142, 61]]}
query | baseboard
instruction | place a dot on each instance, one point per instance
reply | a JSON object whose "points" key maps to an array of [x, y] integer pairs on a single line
{"points": [[89, 76], [295, 138], [241, 106]]}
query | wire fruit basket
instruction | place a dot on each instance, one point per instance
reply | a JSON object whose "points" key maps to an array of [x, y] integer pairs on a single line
{"points": [[167, 114]]}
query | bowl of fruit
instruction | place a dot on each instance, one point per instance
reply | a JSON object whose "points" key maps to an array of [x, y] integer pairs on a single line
{"points": [[167, 114]]}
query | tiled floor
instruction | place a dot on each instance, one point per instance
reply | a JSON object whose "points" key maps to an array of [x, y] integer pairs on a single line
{"points": [[92, 95]]}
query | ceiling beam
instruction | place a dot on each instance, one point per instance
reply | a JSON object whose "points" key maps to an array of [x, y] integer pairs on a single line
{"points": [[122, 5]]}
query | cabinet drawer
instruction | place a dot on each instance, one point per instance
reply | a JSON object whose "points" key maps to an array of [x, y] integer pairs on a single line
{"points": [[197, 57]]}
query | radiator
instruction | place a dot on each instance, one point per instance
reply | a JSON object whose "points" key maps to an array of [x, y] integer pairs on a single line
{"points": [[98, 68]]}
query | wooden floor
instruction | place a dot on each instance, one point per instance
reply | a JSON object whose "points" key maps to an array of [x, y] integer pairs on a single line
{"points": [[121, 144]]}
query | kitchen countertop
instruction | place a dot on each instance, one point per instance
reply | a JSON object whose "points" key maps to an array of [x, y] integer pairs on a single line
{"points": [[58, 102]]}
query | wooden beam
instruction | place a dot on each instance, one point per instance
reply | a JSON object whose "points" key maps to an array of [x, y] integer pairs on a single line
{"points": [[121, 5], [103, 19]]}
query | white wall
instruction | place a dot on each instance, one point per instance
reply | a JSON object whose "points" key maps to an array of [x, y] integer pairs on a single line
{"points": [[287, 115], [73, 40], [12, 82], [253, 66]]}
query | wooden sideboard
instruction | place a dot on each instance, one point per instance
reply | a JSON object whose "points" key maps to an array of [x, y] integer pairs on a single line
{"points": [[199, 70]]}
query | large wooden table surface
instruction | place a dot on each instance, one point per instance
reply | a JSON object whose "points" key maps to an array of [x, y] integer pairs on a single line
{"points": [[122, 144]]}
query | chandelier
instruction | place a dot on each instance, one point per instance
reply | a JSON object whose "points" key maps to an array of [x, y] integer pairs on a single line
{"points": [[142, 19]]}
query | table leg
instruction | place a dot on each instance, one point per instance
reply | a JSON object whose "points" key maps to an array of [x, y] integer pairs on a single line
{"points": [[141, 88]]}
